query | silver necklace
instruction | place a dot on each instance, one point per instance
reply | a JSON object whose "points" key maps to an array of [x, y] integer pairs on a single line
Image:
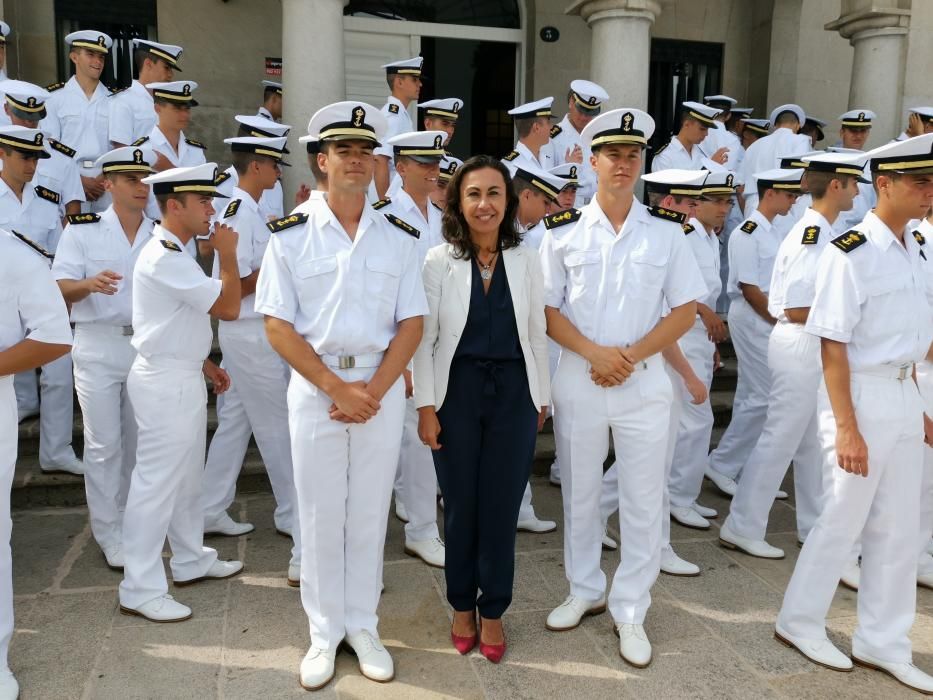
{"points": [[486, 271]]}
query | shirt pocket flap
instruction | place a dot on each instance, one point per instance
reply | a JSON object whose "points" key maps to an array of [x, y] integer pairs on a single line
{"points": [[317, 266], [582, 257], [885, 284], [384, 265]]}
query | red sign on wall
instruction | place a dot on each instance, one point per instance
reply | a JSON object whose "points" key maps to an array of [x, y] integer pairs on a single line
{"points": [[273, 66]]}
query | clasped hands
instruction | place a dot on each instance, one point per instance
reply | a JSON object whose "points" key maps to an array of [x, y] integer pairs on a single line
{"points": [[353, 403], [611, 366]]}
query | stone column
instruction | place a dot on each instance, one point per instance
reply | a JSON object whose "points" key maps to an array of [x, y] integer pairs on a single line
{"points": [[312, 74], [878, 35], [621, 46]]}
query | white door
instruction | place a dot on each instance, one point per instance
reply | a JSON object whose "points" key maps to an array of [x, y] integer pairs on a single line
{"points": [[365, 53]]}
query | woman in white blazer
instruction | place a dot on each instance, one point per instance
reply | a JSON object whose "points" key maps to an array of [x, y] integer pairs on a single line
{"points": [[481, 385]]}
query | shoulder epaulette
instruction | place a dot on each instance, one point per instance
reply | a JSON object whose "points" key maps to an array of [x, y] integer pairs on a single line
{"points": [[561, 218], [222, 178], [658, 152], [117, 91], [919, 237], [35, 246], [140, 141], [62, 148], [232, 208], [83, 218], [668, 215], [393, 108], [849, 241], [54, 86], [170, 245], [382, 203], [555, 130], [196, 144], [47, 194], [286, 222], [811, 234], [688, 229], [749, 226], [512, 155], [406, 227]]}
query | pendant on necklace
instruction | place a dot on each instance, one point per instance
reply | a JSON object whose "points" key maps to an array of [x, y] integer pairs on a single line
{"points": [[486, 273]]}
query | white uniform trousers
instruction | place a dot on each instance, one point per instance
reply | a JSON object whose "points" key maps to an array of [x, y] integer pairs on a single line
{"points": [[343, 477], [102, 358], [8, 437], [55, 383], [883, 507], [416, 484], [169, 400], [259, 377], [696, 422], [790, 432], [750, 407], [553, 356], [925, 562], [637, 415]]}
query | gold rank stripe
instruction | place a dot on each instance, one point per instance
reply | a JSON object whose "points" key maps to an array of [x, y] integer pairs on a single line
{"points": [[838, 170], [847, 122], [435, 112], [544, 187], [172, 96], [421, 151], [757, 129], [906, 165], [686, 192], [700, 117], [194, 188], [268, 152], [408, 71], [162, 54], [617, 138], [90, 45], [24, 107], [784, 186], [119, 167], [347, 133], [25, 145], [719, 190]]}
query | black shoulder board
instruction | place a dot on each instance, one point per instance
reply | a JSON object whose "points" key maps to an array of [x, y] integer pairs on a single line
{"points": [[436, 207], [62, 148], [45, 193], [555, 130], [83, 218], [232, 208], [668, 215], [382, 203], [117, 91], [393, 108], [811, 234], [919, 237], [561, 218], [749, 226], [140, 141], [54, 86], [849, 241], [222, 178], [35, 246], [688, 228], [286, 222], [407, 228], [196, 144], [511, 156], [658, 152], [170, 245]]}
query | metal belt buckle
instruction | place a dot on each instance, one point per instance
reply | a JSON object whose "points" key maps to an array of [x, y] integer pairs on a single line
{"points": [[127, 330], [346, 362], [903, 373], [643, 364]]}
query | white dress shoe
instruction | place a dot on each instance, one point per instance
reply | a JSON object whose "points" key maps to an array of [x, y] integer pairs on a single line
{"points": [[851, 575], [819, 651], [780, 495], [317, 668], [688, 517], [223, 524], [375, 662], [908, 674], [609, 544], [673, 565], [114, 557], [74, 467], [219, 569], [400, 512], [925, 580], [634, 646], [571, 612], [535, 525], [9, 688], [294, 575], [161, 609], [722, 482], [431, 552], [704, 511], [756, 548]]}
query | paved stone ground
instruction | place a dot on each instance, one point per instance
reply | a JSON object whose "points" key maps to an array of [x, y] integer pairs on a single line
{"points": [[711, 635]]}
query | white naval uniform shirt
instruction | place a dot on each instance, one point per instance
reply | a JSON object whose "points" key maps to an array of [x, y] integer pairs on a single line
{"points": [[271, 203], [675, 155], [171, 300], [404, 207], [567, 139], [186, 156], [31, 305], [766, 154], [534, 236], [751, 255], [243, 216], [718, 137], [263, 112], [543, 161], [345, 297], [615, 287], [79, 122], [399, 121], [132, 114], [873, 298], [794, 276], [314, 198], [36, 217], [87, 249], [705, 248], [61, 174]]}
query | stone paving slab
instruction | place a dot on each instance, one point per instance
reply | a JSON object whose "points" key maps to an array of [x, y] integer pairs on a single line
{"points": [[712, 634]]}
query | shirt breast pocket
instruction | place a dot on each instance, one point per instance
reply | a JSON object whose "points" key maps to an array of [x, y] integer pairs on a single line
{"points": [[382, 280], [100, 261], [645, 276], [767, 254], [583, 269], [316, 277], [891, 308]]}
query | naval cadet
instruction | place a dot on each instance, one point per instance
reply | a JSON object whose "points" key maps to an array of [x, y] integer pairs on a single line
{"points": [[441, 115], [584, 103], [766, 153], [448, 166], [173, 303], [854, 130], [754, 129], [4, 33], [271, 101], [533, 126], [683, 151], [94, 267], [344, 303], [569, 193], [720, 136], [404, 80]]}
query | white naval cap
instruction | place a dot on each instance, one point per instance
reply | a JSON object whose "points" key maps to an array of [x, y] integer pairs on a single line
{"points": [[449, 165], [421, 146], [271, 85], [274, 147], [818, 124], [566, 172], [347, 121], [25, 97], [546, 183], [447, 108], [178, 92], [837, 163], [4, 32], [786, 179], [723, 102], [199, 179], [24, 140], [913, 156], [758, 126], [857, 118], [796, 161], [720, 180], [127, 159], [797, 111], [167, 52], [410, 66], [89, 39], [926, 113], [702, 113], [532, 110], [618, 126], [588, 96], [255, 125], [676, 181]]}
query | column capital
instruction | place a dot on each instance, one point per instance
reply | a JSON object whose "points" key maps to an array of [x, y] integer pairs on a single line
{"points": [[874, 20], [594, 10]]}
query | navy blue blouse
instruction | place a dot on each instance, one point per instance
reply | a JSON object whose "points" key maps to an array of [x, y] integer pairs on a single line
{"points": [[490, 332]]}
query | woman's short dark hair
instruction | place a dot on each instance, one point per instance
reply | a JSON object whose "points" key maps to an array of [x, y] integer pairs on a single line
{"points": [[454, 226]]}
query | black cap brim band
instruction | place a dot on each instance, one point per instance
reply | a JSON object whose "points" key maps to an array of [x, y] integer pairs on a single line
{"points": [[29, 148], [206, 187]]}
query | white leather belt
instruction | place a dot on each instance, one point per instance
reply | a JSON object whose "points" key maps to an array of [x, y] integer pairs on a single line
{"points": [[372, 359], [107, 328], [898, 372]]}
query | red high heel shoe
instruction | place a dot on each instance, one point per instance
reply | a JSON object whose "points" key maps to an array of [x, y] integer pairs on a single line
{"points": [[493, 652], [464, 645]]}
